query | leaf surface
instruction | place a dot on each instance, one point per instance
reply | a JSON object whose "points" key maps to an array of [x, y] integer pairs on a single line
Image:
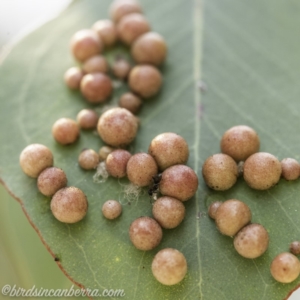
{"points": [[250, 63]]}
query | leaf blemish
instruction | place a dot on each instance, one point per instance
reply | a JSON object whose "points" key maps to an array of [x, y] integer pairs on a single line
{"points": [[200, 111], [101, 174], [202, 86]]}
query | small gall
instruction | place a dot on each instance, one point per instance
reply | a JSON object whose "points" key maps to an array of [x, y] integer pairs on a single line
{"points": [[179, 181], [220, 172], [117, 127], [145, 233], [116, 163], [262, 171], [106, 31], [73, 77], [239, 142], [169, 149], [69, 205], [231, 216], [35, 158], [169, 266], [131, 27], [65, 131], [88, 159], [51, 180], [145, 80], [111, 209], [84, 44]]}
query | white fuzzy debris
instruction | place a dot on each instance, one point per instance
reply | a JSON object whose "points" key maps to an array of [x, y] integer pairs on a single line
{"points": [[131, 192], [101, 174]]}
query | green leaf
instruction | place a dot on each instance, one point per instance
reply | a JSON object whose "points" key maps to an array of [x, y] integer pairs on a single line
{"points": [[251, 65], [22, 255]]}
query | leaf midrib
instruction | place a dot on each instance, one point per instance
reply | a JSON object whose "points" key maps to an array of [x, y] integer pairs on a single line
{"points": [[197, 39]]}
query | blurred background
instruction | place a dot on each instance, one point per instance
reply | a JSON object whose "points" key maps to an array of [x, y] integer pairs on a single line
{"points": [[24, 261], [18, 17]]}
